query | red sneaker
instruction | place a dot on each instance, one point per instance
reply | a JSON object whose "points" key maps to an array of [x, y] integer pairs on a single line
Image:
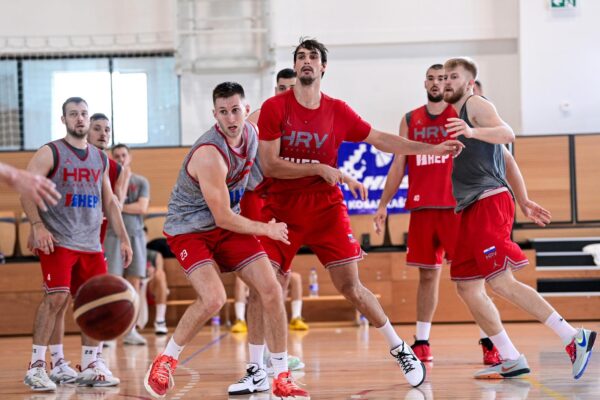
{"points": [[284, 387], [490, 356], [422, 350], [159, 377]]}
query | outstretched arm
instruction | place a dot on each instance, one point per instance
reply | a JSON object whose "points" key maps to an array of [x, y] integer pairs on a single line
{"points": [[39, 189], [401, 145]]}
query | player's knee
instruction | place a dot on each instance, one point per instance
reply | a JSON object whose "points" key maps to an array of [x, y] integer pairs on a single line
{"points": [[351, 290], [502, 288], [214, 302], [56, 301], [466, 292], [271, 297]]}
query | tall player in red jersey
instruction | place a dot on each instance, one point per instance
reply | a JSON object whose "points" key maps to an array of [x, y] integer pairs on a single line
{"points": [[433, 228], [300, 133]]}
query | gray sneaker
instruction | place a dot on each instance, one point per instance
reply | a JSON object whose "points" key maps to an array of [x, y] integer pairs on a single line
{"points": [[580, 350], [412, 367], [37, 378], [135, 338], [63, 373], [506, 369]]}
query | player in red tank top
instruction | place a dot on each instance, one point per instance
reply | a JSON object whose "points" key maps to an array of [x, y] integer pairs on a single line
{"points": [[433, 225], [300, 133], [99, 136]]}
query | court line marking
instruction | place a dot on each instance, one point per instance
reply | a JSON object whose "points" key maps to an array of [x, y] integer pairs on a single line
{"points": [[552, 393]]}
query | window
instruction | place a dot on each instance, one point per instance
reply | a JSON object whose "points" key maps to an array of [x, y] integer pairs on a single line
{"points": [[10, 125]]}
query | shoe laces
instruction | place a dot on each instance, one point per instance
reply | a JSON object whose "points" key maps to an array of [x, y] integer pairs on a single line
{"points": [[163, 370], [405, 360], [285, 383], [250, 372]]}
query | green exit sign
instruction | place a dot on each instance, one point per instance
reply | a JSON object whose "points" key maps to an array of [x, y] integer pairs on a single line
{"points": [[563, 3]]}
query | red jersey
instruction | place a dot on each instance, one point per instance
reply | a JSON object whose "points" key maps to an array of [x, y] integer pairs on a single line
{"points": [[308, 136], [429, 177], [114, 170]]}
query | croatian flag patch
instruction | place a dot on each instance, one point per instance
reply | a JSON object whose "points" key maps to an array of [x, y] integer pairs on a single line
{"points": [[490, 252]]}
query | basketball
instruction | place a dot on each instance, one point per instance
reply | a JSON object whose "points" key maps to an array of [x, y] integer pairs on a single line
{"points": [[105, 307]]}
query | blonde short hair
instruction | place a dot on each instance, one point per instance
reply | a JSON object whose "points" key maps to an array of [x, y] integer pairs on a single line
{"points": [[465, 62]]}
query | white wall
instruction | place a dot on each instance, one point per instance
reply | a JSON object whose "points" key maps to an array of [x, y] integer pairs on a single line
{"points": [[28, 26], [560, 63], [380, 50]]}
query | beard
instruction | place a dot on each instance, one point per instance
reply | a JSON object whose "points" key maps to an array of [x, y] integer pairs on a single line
{"points": [[75, 133], [435, 99], [306, 80], [455, 96]]}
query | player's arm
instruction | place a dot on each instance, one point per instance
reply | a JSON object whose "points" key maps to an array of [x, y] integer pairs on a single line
{"points": [[489, 127], [40, 238], [37, 188], [140, 206], [401, 145], [356, 188], [274, 167], [122, 184], [112, 210], [539, 215], [393, 181], [208, 167]]}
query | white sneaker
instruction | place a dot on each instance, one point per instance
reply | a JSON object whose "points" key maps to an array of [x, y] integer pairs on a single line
{"points": [[160, 328], [294, 364], [413, 368], [102, 367], [135, 338], [37, 378], [255, 380], [95, 377], [62, 373]]}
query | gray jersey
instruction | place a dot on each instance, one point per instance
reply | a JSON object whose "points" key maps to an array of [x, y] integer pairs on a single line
{"points": [[188, 211], [138, 187], [479, 168], [75, 221]]}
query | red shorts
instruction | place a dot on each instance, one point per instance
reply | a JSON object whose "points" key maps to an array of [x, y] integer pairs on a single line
{"points": [[431, 234], [318, 220], [252, 205], [65, 270], [229, 250], [485, 248]]}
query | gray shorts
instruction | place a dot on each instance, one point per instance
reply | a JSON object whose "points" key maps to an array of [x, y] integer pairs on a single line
{"points": [[112, 250]]}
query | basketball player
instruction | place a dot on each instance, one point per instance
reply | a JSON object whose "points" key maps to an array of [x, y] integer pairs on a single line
{"points": [[300, 133], [157, 285], [203, 228], [251, 206], [135, 206], [38, 189], [66, 237], [485, 251], [433, 228]]}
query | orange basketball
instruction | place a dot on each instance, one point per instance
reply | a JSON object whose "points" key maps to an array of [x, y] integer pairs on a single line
{"points": [[105, 307]]}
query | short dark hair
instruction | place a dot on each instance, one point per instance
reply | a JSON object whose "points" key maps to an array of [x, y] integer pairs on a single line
{"points": [[98, 117], [119, 146], [286, 73], [312, 44], [75, 100], [227, 89], [436, 67]]}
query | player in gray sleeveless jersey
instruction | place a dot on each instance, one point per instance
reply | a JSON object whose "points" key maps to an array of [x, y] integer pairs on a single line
{"points": [[66, 237], [485, 251], [204, 229]]}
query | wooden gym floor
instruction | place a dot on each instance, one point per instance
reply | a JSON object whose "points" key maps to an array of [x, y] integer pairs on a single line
{"points": [[342, 362]]}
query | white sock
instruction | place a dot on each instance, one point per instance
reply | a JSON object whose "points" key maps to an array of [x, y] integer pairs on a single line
{"points": [[161, 310], [38, 353], [279, 362], [88, 355], [296, 308], [482, 334], [561, 327], [423, 329], [240, 310], [505, 347], [390, 334], [173, 349], [257, 353], [56, 353]]}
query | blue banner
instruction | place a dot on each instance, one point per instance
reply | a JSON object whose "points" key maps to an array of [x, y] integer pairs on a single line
{"points": [[369, 166]]}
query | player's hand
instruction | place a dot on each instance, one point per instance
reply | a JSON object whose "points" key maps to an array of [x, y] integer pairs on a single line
{"points": [[277, 231], [126, 253], [379, 219], [36, 188], [331, 175], [458, 127], [356, 188], [538, 214], [42, 238], [449, 147]]}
